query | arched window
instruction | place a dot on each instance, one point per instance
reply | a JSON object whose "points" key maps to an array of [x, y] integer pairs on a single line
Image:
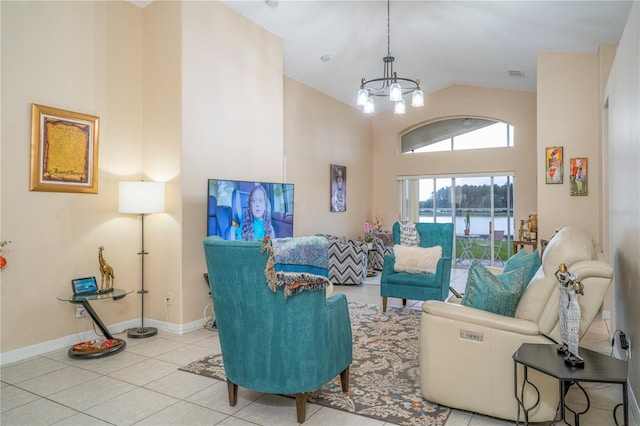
{"points": [[454, 134]]}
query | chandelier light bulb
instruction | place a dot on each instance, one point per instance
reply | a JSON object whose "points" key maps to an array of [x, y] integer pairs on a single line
{"points": [[363, 95], [395, 92], [389, 85], [369, 108], [417, 99]]}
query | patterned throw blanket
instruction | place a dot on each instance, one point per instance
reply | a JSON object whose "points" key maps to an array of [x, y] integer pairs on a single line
{"points": [[299, 264]]}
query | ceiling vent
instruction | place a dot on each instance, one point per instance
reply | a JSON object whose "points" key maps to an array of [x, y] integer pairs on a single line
{"points": [[515, 73]]}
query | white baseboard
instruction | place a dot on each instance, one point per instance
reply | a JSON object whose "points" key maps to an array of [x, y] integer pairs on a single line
{"points": [[70, 340], [178, 328]]}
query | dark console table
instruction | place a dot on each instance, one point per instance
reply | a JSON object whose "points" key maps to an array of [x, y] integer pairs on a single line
{"points": [[545, 359], [96, 348]]}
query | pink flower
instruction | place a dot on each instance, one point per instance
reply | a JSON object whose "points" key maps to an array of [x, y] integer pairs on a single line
{"points": [[367, 228]]}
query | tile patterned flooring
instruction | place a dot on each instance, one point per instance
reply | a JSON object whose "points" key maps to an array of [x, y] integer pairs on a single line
{"points": [[142, 385]]}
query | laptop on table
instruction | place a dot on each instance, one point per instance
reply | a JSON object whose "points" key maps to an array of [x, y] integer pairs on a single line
{"points": [[83, 287]]}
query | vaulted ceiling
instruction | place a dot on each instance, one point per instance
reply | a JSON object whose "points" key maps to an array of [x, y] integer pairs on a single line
{"points": [[441, 43]]}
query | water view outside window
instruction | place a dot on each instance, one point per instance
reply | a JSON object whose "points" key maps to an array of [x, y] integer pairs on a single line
{"points": [[440, 198], [487, 199]]}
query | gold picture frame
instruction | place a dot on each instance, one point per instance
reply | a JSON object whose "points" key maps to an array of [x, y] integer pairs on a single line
{"points": [[64, 150]]}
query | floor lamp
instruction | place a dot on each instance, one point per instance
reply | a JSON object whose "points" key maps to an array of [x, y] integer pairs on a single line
{"points": [[141, 198]]}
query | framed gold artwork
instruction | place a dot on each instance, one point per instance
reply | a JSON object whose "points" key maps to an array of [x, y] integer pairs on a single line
{"points": [[64, 150]]}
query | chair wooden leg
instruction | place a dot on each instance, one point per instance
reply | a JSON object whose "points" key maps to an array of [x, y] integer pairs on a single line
{"points": [[232, 389], [301, 407], [344, 379], [384, 304], [404, 302]]}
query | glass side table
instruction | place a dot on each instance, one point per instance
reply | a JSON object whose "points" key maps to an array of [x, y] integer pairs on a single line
{"points": [[96, 348]]}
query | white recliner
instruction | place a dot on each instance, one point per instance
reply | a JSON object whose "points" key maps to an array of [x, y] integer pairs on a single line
{"points": [[465, 354]]}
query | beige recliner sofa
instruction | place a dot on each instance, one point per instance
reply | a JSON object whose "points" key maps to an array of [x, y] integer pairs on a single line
{"points": [[465, 354]]}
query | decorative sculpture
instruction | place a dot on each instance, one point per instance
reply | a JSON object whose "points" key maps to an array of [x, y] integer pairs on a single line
{"points": [[569, 315], [106, 273]]}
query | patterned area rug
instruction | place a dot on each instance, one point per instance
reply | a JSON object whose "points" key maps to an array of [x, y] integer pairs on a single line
{"points": [[384, 380]]}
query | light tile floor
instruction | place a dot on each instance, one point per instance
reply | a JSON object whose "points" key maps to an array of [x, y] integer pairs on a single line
{"points": [[142, 385]]}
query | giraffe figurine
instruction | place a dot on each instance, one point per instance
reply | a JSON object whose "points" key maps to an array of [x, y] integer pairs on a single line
{"points": [[106, 271]]}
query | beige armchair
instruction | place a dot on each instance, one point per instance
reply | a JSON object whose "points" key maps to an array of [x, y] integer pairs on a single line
{"points": [[465, 354]]}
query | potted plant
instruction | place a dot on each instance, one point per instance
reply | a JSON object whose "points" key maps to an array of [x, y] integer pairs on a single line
{"points": [[467, 223]]}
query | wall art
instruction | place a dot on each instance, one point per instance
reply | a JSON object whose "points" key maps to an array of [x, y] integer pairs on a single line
{"points": [[64, 150], [338, 188], [579, 175], [553, 164]]}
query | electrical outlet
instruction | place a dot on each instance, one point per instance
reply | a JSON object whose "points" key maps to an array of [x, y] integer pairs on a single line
{"points": [[169, 299], [624, 344], [81, 312]]}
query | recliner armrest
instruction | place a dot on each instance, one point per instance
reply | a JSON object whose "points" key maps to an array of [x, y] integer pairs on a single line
{"points": [[592, 268], [480, 318]]}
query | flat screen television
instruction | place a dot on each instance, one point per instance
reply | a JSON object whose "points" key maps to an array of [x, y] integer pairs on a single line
{"points": [[242, 210]]}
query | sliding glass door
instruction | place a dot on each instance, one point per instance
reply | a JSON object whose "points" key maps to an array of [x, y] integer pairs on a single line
{"points": [[479, 206]]}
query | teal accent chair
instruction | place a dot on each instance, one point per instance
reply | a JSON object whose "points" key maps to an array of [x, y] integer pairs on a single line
{"points": [[271, 344], [426, 286]]}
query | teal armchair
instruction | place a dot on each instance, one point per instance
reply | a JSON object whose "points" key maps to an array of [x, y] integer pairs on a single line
{"points": [[420, 286], [270, 343]]}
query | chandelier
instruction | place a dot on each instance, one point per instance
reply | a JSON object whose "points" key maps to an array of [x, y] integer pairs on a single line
{"points": [[389, 85]]}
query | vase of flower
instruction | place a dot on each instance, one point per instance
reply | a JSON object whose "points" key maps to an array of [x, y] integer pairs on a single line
{"points": [[368, 236]]}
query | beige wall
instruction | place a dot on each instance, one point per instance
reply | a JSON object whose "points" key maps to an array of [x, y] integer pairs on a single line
{"points": [[320, 131], [232, 122], [569, 116], [161, 157], [606, 55], [517, 108], [623, 215], [84, 57]]}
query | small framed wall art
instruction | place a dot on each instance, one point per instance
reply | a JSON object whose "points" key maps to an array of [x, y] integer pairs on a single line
{"points": [[553, 164], [64, 150], [338, 188], [579, 175]]}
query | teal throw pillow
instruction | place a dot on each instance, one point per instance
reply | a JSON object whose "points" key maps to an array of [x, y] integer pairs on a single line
{"points": [[530, 262], [499, 294]]}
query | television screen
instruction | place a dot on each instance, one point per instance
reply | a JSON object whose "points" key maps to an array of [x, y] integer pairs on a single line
{"points": [[241, 210]]}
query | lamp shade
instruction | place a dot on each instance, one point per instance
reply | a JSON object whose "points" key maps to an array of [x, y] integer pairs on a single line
{"points": [[141, 197]]}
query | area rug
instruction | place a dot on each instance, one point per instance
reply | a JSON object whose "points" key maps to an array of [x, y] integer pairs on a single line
{"points": [[384, 381]]}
